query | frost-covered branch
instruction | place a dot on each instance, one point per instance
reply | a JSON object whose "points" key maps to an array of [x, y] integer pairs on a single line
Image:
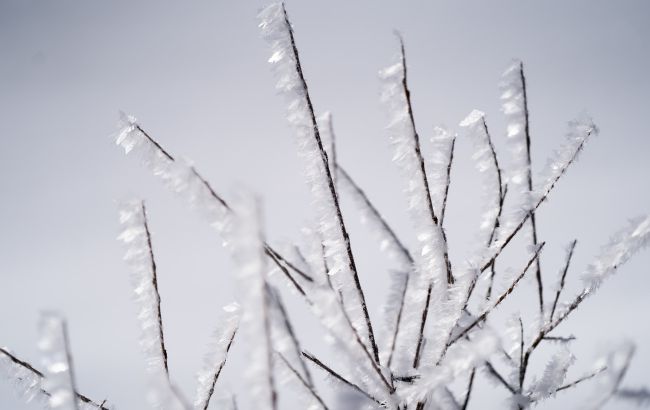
{"points": [[515, 106], [181, 177], [216, 357], [277, 29], [563, 277], [140, 257], [28, 380], [338, 377]]}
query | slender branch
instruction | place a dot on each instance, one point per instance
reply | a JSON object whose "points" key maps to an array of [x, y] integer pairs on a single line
{"points": [[582, 379], [68, 358], [340, 378], [289, 264], [500, 378], [469, 389], [308, 384], [418, 154], [447, 182], [330, 182], [154, 282], [559, 338], [525, 218], [564, 272], [27, 366], [292, 335], [376, 214], [374, 366], [505, 294], [423, 322], [529, 177], [521, 352], [218, 372], [398, 321], [271, 252]]}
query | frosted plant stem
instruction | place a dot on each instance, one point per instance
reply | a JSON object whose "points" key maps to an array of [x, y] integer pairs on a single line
{"points": [[307, 384], [529, 177], [469, 389], [564, 272], [217, 373], [543, 197], [27, 366], [277, 299], [499, 377], [396, 242], [340, 378], [374, 366], [418, 154], [582, 379], [376, 214], [500, 299], [271, 253], [398, 321], [447, 182], [332, 188], [154, 282]]}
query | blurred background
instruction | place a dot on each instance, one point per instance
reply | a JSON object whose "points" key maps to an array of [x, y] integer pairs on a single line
{"points": [[195, 74]]}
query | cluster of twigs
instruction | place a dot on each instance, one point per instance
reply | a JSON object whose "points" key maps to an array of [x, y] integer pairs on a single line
{"points": [[436, 338]]}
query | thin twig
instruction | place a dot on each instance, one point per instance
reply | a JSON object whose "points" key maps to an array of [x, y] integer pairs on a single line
{"points": [[68, 358], [27, 366], [418, 154], [220, 366], [564, 272], [582, 379], [340, 378], [505, 294], [447, 182], [469, 389], [423, 322], [543, 198], [271, 252], [500, 378], [330, 182], [398, 321], [154, 283], [308, 384], [529, 177], [374, 365], [292, 335]]}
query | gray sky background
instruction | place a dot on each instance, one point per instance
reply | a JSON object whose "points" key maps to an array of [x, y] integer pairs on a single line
{"points": [[195, 75]]}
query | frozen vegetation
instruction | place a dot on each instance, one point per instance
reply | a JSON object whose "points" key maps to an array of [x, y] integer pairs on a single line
{"points": [[436, 341]]}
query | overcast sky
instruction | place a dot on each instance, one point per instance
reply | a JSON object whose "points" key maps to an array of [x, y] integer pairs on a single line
{"points": [[195, 75]]}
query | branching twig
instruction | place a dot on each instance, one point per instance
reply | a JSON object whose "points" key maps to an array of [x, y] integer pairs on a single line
{"points": [[508, 291]]}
